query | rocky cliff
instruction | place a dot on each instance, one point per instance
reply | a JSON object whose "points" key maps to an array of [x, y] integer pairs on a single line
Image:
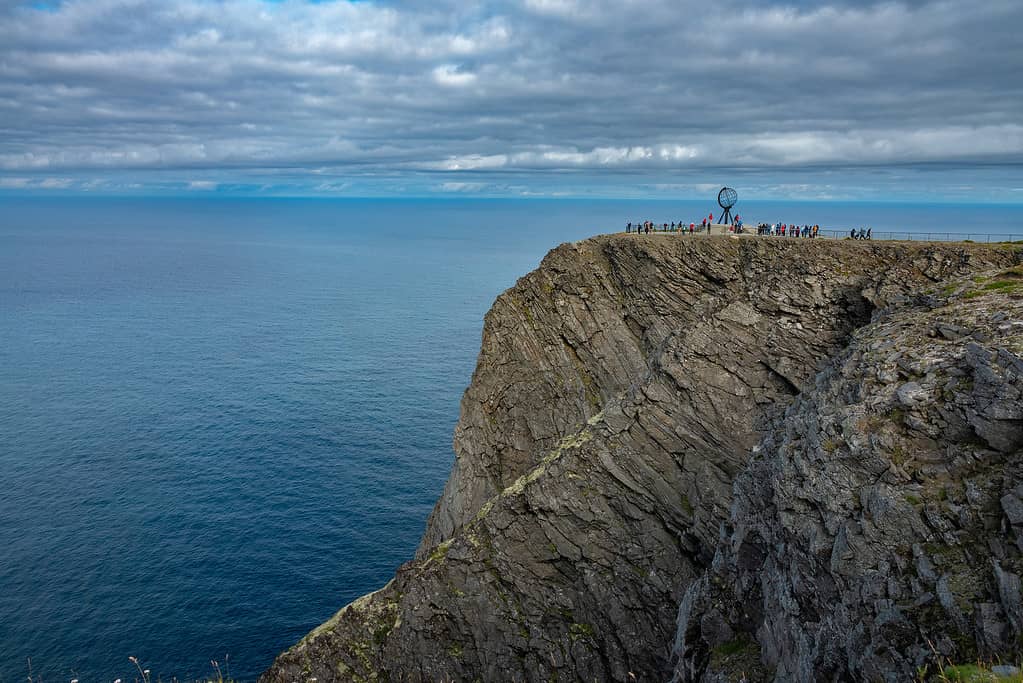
{"points": [[709, 458]]}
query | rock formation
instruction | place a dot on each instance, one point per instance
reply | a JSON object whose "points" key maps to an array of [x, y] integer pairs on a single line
{"points": [[807, 445]]}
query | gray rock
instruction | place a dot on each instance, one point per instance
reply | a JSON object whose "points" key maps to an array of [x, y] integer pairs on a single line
{"points": [[1005, 670], [1013, 508], [604, 502], [935, 509], [911, 394]]}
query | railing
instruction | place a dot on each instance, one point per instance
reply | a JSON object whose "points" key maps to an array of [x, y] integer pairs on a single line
{"points": [[877, 235], [928, 236]]}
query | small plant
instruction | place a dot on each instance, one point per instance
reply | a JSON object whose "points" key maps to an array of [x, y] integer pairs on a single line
{"points": [[577, 631], [980, 672], [143, 672], [216, 667]]}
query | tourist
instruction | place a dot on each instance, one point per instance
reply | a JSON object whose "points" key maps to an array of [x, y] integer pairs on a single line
{"points": [[869, 232]]}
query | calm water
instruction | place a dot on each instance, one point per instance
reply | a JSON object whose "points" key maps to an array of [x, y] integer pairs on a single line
{"points": [[221, 420]]}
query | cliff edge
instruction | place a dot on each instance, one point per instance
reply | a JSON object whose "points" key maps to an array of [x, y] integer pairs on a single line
{"points": [[657, 426]]}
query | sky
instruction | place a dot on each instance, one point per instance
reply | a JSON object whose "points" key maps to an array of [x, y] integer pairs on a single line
{"points": [[605, 98]]}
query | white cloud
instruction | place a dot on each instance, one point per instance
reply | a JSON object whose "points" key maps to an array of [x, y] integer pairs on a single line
{"points": [[462, 187], [450, 75], [638, 87]]}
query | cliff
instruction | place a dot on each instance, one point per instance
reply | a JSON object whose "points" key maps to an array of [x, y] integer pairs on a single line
{"points": [[708, 457]]}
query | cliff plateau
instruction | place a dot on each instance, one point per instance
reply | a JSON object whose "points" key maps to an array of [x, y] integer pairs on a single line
{"points": [[714, 458]]}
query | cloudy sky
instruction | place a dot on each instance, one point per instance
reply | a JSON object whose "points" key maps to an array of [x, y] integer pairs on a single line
{"points": [[615, 98]]}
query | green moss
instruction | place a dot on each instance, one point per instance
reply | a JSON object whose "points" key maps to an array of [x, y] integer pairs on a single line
{"points": [[527, 313], [913, 500], [1001, 285], [380, 635], [686, 505], [737, 657], [641, 572], [438, 553], [974, 673], [732, 647], [898, 455], [568, 443], [455, 651], [1007, 282], [577, 631]]}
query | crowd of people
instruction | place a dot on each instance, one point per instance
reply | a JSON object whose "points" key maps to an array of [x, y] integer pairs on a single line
{"points": [[736, 227], [681, 227], [788, 230]]}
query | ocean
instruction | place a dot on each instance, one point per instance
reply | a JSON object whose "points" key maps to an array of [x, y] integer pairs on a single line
{"points": [[223, 419]]}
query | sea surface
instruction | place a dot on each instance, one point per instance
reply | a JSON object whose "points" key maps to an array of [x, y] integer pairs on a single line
{"points": [[223, 419]]}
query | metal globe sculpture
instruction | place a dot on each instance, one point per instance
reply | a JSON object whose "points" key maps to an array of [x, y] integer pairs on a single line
{"points": [[726, 200]]}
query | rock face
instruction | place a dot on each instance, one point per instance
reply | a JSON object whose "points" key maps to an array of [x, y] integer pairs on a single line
{"points": [[879, 524], [630, 387]]}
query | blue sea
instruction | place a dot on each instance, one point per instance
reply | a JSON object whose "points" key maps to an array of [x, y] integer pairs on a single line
{"points": [[223, 419]]}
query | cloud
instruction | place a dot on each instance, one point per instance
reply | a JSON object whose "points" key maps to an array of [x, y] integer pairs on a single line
{"points": [[14, 183], [202, 185], [250, 91], [448, 75], [462, 187]]}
